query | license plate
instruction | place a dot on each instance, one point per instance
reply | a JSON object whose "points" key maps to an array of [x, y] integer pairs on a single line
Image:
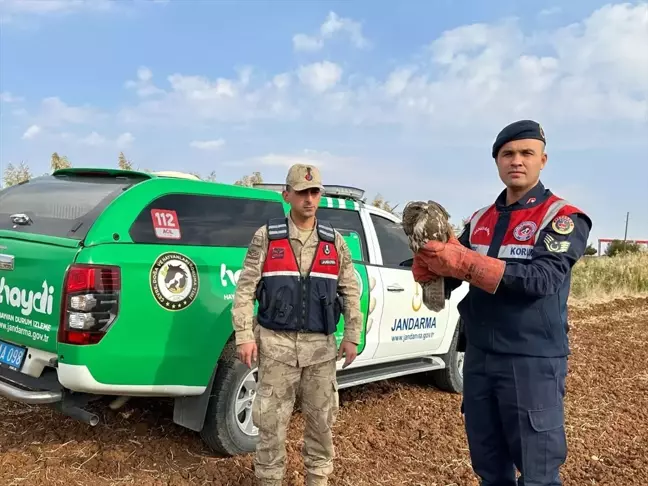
{"points": [[11, 355]]}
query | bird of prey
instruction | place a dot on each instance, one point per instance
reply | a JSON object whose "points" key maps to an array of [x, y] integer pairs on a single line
{"points": [[422, 222]]}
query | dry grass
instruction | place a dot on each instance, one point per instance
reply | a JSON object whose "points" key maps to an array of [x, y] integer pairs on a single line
{"points": [[598, 279]]}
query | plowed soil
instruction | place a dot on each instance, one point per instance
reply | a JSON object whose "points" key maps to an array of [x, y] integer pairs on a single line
{"points": [[397, 432]]}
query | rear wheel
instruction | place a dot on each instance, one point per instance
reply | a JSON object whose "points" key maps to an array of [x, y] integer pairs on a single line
{"points": [[228, 427], [450, 378]]}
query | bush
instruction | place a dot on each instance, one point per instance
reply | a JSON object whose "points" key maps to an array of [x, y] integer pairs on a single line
{"points": [[617, 247], [595, 278]]}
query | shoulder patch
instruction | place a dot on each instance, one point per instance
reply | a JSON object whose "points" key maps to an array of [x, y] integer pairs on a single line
{"points": [[563, 225], [556, 246]]}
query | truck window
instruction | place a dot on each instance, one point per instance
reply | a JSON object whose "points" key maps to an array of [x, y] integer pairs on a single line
{"points": [[207, 220], [346, 220], [393, 242], [62, 205]]}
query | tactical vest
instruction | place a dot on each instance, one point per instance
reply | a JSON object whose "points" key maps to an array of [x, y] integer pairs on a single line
{"points": [[290, 302], [512, 322]]}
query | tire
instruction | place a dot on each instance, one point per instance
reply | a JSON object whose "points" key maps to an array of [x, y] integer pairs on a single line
{"points": [[450, 379], [222, 430]]}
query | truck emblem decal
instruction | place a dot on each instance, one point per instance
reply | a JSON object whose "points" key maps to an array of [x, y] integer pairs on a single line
{"points": [[174, 281]]}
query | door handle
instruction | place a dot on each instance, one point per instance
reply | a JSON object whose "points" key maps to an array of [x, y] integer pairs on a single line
{"points": [[395, 288]]}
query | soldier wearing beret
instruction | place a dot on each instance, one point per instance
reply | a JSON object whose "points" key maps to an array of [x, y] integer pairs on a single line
{"points": [[517, 254]]}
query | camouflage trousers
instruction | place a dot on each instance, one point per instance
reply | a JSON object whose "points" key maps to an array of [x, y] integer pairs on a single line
{"points": [[278, 387]]}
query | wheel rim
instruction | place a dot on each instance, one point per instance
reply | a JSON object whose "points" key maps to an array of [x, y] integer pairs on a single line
{"points": [[243, 402], [460, 362]]}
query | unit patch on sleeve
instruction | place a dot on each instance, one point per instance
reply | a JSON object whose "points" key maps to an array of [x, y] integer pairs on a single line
{"points": [[174, 281], [524, 231], [556, 246], [563, 225]]}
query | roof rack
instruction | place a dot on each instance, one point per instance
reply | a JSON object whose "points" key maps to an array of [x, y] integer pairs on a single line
{"points": [[344, 192]]}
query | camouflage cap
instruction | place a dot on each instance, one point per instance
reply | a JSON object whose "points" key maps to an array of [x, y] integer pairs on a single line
{"points": [[303, 176]]}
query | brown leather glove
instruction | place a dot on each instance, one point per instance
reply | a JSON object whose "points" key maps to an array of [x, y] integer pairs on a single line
{"points": [[452, 259]]}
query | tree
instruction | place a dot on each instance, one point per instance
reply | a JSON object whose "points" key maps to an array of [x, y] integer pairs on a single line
{"points": [[250, 180], [211, 177], [619, 247], [57, 162], [590, 250], [380, 203], [123, 163], [15, 175]]}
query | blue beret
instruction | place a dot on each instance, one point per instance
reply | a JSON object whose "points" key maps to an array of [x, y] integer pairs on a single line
{"points": [[518, 130]]}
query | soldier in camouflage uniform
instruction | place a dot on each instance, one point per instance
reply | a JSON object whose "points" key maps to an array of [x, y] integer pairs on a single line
{"points": [[293, 338]]}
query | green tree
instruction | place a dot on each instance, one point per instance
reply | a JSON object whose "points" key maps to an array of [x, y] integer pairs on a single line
{"points": [[57, 162], [123, 163], [15, 175], [619, 247], [250, 180], [590, 250], [379, 202]]}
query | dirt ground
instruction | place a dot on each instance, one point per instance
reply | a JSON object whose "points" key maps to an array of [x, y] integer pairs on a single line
{"points": [[398, 432]]}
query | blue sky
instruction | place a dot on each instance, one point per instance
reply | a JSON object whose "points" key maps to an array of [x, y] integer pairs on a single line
{"points": [[399, 98]]}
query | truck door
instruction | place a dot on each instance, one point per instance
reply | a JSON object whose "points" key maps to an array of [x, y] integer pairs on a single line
{"points": [[407, 326]]}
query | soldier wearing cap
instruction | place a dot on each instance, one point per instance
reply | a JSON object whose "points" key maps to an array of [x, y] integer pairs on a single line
{"points": [[517, 255], [300, 271]]}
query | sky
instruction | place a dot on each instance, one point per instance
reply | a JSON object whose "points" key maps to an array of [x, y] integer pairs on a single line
{"points": [[401, 98]]}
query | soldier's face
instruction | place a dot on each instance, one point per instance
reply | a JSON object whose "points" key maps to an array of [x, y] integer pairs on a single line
{"points": [[519, 163], [303, 203]]}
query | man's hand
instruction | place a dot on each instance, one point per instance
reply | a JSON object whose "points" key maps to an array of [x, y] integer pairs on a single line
{"points": [[247, 353], [452, 259], [349, 350], [421, 271]]}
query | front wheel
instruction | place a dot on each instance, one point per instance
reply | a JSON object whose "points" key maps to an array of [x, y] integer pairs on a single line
{"points": [[450, 378], [228, 427]]}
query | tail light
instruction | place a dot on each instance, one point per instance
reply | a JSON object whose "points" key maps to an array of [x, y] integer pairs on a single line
{"points": [[90, 303]]}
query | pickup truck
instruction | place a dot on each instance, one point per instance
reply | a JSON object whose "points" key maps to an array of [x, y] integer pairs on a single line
{"points": [[120, 283]]}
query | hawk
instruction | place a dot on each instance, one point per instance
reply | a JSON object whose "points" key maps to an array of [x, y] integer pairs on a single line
{"points": [[422, 222]]}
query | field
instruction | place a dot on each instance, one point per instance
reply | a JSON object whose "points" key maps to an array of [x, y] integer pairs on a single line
{"points": [[397, 432]]}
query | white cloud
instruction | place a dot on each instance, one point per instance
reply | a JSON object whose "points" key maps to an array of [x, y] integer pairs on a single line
{"points": [[144, 85], [10, 10], [320, 76], [55, 112], [125, 140], [332, 26], [31, 132], [7, 97], [551, 11], [94, 139], [321, 159], [590, 74], [207, 144], [303, 42]]}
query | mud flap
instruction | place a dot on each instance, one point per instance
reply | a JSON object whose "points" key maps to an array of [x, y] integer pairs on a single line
{"points": [[190, 411]]}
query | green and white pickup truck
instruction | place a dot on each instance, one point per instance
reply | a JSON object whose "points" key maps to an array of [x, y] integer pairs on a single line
{"points": [[120, 283]]}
